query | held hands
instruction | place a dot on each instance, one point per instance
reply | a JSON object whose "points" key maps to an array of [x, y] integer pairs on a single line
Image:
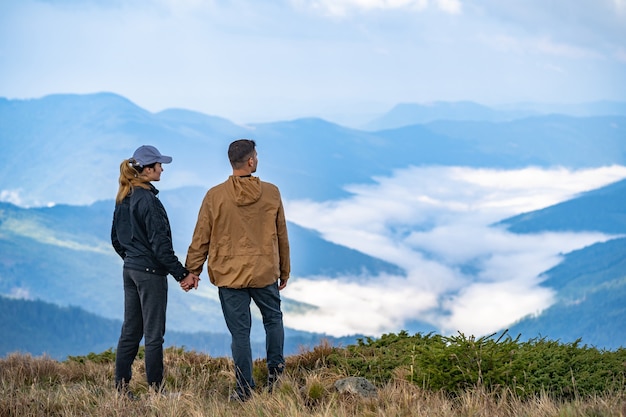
{"points": [[282, 283], [190, 281]]}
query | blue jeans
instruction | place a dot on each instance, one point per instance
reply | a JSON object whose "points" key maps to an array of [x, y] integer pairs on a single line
{"points": [[236, 308], [145, 303]]}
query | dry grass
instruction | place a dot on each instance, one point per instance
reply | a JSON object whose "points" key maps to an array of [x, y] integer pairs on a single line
{"points": [[45, 387]]}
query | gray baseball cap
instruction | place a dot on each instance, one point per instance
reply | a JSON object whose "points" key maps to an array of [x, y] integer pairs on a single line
{"points": [[147, 154]]}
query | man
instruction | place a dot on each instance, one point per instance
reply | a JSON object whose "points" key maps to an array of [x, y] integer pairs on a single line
{"points": [[241, 228]]}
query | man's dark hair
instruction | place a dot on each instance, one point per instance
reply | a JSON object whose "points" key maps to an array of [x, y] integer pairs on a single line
{"points": [[239, 151]]}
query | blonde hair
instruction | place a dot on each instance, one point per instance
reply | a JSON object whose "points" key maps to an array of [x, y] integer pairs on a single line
{"points": [[130, 177]]}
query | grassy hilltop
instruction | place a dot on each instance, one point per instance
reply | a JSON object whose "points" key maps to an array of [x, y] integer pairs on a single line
{"points": [[419, 375]]}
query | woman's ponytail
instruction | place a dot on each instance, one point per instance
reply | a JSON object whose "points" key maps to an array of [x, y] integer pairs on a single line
{"points": [[130, 177]]}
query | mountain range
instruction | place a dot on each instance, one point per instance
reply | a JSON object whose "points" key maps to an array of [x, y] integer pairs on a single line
{"points": [[406, 114], [68, 136], [58, 174]]}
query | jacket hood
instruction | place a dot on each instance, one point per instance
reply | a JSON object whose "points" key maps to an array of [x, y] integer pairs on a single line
{"points": [[244, 190]]}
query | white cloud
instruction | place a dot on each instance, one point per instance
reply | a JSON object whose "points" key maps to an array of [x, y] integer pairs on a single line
{"points": [[12, 196], [461, 273], [350, 307], [20, 294], [450, 6], [16, 197], [184, 6], [475, 309], [342, 8]]}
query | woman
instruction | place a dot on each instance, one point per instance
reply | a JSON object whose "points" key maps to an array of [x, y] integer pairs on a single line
{"points": [[141, 236]]}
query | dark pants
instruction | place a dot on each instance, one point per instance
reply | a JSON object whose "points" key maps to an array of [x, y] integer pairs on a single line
{"points": [[145, 303], [236, 309]]}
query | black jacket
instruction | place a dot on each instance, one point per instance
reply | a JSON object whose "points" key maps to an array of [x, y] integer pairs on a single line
{"points": [[141, 234]]}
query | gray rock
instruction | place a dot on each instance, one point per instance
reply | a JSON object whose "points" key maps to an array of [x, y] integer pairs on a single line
{"points": [[356, 385]]}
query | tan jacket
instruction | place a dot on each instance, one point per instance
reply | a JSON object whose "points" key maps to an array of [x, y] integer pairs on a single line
{"points": [[241, 228]]}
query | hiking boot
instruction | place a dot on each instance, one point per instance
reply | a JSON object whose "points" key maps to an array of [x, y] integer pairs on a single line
{"points": [[168, 394], [239, 397], [123, 389], [164, 393], [272, 379], [273, 376], [127, 394]]}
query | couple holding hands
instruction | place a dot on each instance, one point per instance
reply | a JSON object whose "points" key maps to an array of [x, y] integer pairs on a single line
{"points": [[241, 234]]}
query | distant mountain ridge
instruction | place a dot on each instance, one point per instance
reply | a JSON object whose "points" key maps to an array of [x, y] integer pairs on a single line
{"points": [[406, 114], [602, 210], [89, 135]]}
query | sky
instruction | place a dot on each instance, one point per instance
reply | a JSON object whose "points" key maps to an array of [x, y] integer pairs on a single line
{"points": [[433, 228], [344, 60]]}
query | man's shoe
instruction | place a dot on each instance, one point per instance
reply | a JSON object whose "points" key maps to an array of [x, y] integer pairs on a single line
{"points": [[166, 394], [272, 379], [239, 397], [273, 376], [131, 396], [169, 395], [128, 394]]}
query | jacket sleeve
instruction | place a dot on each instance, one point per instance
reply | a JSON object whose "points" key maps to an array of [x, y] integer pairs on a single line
{"points": [[159, 236], [283, 243], [115, 241], [199, 248]]}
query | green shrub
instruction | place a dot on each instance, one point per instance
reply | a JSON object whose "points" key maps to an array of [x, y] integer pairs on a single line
{"points": [[456, 363]]}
